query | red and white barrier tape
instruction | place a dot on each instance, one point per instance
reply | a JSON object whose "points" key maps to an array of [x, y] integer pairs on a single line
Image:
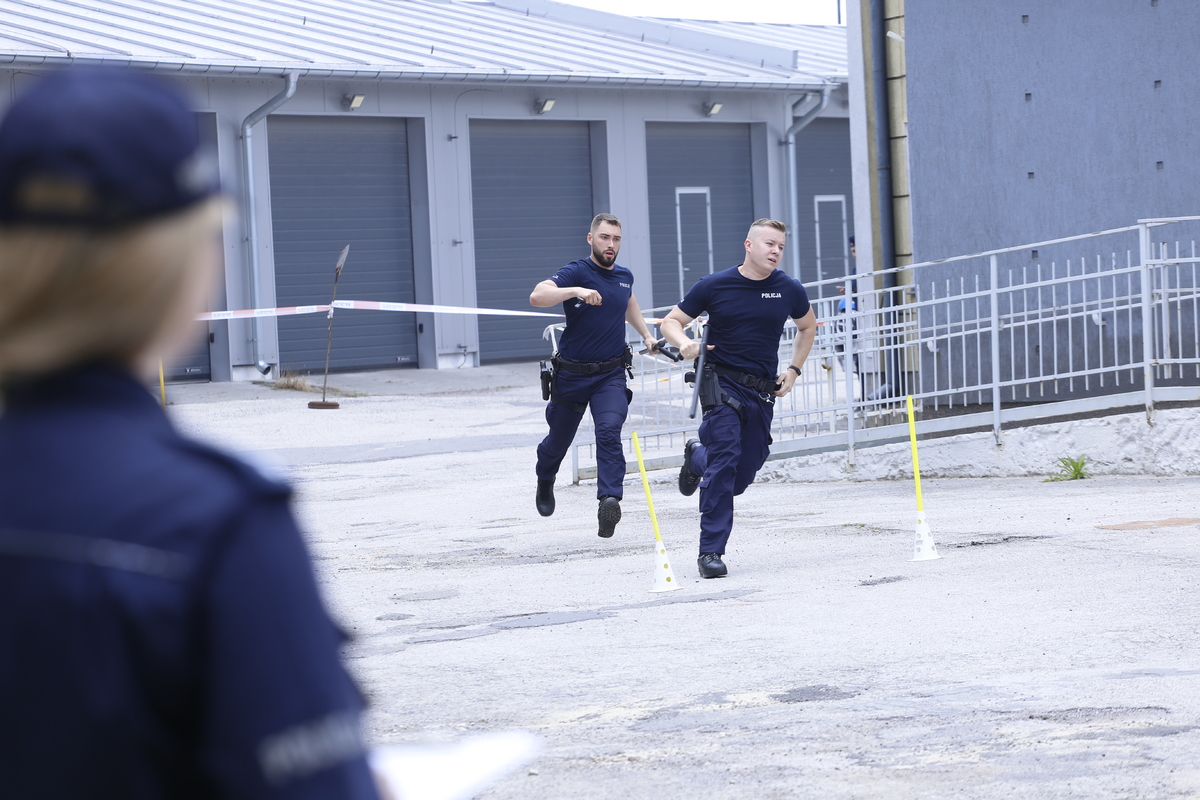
{"points": [[250, 313], [367, 305], [372, 305]]}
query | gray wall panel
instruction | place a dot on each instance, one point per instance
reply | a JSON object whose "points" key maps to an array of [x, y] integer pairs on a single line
{"points": [[1091, 132], [702, 154], [339, 181], [531, 184], [823, 169], [1034, 121], [194, 360]]}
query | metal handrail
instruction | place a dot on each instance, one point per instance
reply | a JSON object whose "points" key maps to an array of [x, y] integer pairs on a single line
{"points": [[1125, 323]]}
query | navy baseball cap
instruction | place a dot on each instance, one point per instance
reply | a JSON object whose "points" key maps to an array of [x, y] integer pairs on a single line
{"points": [[100, 147]]}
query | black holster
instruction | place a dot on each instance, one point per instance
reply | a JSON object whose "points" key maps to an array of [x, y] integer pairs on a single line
{"points": [[550, 387], [711, 393]]}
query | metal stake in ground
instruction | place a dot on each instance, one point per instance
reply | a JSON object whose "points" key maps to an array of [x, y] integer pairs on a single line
{"points": [[337, 273], [664, 578], [925, 549]]}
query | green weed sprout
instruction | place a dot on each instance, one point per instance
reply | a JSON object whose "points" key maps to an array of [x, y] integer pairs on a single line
{"points": [[1070, 469]]}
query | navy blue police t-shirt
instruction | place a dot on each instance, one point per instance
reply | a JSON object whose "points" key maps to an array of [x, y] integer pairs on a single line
{"points": [[594, 333], [746, 317], [161, 630]]}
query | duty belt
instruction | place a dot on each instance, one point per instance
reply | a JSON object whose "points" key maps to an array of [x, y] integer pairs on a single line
{"points": [[745, 378], [589, 367]]}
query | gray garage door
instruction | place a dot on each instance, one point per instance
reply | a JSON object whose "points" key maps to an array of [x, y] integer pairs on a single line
{"points": [[826, 203], [532, 191], [701, 202], [339, 181]]}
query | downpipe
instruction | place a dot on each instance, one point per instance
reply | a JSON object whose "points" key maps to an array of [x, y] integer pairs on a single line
{"points": [[251, 195]]}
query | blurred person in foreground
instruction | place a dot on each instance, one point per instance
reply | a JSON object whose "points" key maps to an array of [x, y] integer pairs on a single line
{"points": [[161, 632]]}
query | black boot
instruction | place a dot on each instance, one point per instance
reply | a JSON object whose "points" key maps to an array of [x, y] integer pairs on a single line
{"points": [[545, 498], [688, 480], [609, 515], [711, 565]]}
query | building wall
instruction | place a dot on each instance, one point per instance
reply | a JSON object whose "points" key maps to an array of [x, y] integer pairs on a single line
{"points": [[826, 203], [1035, 120], [439, 117]]}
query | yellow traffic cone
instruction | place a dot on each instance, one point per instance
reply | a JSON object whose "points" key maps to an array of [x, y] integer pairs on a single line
{"points": [[664, 578]]}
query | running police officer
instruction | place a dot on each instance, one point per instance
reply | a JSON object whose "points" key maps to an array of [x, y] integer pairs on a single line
{"points": [[748, 306], [161, 630], [590, 366]]}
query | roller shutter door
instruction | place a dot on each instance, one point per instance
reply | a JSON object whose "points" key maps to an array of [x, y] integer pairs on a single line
{"points": [[826, 200], [532, 190], [339, 181], [701, 192]]}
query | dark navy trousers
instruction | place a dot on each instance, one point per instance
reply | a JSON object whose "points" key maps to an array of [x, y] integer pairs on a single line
{"points": [[730, 454], [608, 399]]}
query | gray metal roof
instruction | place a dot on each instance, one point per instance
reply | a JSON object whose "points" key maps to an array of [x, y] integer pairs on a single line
{"points": [[425, 40], [820, 49]]}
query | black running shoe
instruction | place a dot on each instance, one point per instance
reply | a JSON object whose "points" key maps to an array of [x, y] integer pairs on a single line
{"points": [[609, 515], [688, 480], [545, 498], [711, 565]]}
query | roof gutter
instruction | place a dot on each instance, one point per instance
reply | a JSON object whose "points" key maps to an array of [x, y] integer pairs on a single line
{"points": [[799, 81], [799, 122], [251, 193]]}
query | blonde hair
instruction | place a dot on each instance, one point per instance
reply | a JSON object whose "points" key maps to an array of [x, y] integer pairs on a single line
{"points": [[766, 223], [69, 295]]}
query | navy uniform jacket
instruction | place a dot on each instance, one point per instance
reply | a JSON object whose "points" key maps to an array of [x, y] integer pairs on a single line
{"points": [[161, 633], [594, 333], [746, 317]]}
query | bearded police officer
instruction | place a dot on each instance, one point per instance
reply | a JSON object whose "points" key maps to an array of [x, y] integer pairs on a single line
{"points": [[747, 306], [590, 366]]}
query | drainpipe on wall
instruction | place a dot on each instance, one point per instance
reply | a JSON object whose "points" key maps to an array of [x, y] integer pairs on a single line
{"points": [[251, 195], [799, 122], [889, 32], [879, 121]]}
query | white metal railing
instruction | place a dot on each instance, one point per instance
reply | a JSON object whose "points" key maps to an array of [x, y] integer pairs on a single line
{"points": [[1080, 324]]}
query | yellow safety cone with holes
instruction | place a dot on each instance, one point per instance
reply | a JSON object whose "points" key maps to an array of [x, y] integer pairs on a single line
{"points": [[925, 550], [664, 578]]}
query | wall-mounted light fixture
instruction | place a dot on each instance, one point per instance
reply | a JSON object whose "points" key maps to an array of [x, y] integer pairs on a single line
{"points": [[352, 101], [712, 109], [543, 106]]}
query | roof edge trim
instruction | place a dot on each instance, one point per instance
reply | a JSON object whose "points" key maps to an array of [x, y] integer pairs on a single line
{"points": [[802, 82]]}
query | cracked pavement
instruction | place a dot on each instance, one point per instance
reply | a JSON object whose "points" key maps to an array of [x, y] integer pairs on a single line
{"points": [[1051, 652]]}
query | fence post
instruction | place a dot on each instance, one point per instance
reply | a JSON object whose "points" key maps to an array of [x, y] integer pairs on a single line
{"points": [[994, 291], [848, 367], [1146, 253]]}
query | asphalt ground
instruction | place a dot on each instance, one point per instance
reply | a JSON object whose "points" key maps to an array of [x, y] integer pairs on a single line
{"points": [[1051, 652]]}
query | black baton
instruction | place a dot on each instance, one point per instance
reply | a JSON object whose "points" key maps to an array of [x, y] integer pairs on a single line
{"points": [[699, 372], [664, 348]]}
